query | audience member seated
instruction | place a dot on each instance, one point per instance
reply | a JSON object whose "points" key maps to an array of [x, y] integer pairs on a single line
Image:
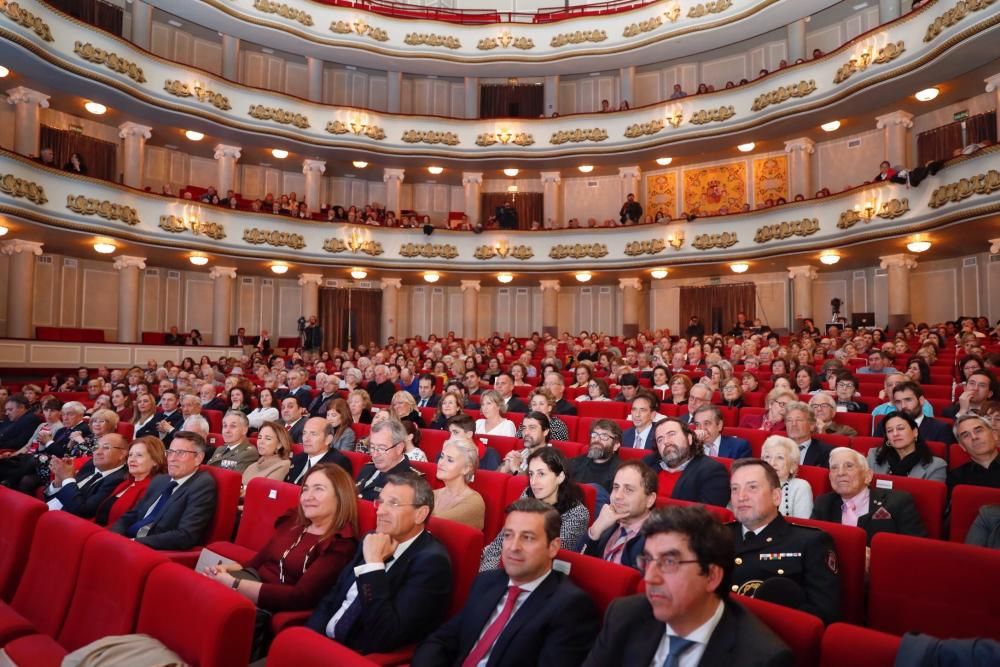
{"points": [[640, 434], [908, 398], [317, 448], [534, 436], [360, 405], [274, 448], [555, 384], [293, 417], [174, 337], [598, 466], [493, 422], [904, 452], [544, 402], [698, 478], [339, 417], [146, 416], [83, 494], [146, 459], [20, 425], [387, 443], [800, 426], [782, 454], [381, 389], [616, 534], [846, 389], [426, 398], [707, 424], [977, 438], [773, 420], [170, 417], [449, 406], [404, 408], [980, 386], [824, 410], [236, 452], [456, 468]]}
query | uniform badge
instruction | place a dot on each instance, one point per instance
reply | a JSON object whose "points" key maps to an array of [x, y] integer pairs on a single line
{"points": [[749, 588], [831, 560]]}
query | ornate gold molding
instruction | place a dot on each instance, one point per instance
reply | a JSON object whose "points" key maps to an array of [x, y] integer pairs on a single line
{"points": [[800, 89], [23, 17], [595, 134], [181, 89], [521, 252], [23, 189], [176, 225], [113, 61], [284, 11], [430, 137], [640, 27], [709, 115], [642, 129], [785, 230], [261, 112], [370, 131], [359, 27], [579, 251], [428, 250], [519, 139], [863, 60], [709, 241], [425, 39], [274, 237], [105, 209], [505, 39], [578, 37], [961, 9], [706, 8], [354, 245], [980, 184], [889, 210], [652, 247]]}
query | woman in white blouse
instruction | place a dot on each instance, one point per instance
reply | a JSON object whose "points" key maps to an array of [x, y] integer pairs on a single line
{"points": [[266, 410], [796, 494], [493, 410]]}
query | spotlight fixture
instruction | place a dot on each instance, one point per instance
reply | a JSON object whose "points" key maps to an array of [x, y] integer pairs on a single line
{"points": [[586, 168], [505, 277], [584, 276], [105, 247], [918, 244], [435, 170], [194, 136], [432, 276], [279, 153], [198, 259], [747, 147], [3, 230], [829, 257], [279, 268], [360, 164], [739, 267], [4, 72], [95, 108], [927, 94], [510, 171], [832, 126], [359, 274], [658, 274], [664, 161]]}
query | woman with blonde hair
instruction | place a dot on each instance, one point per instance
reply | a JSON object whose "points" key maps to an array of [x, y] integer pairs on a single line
{"points": [[774, 419], [456, 468], [404, 408], [782, 454], [360, 405], [493, 409]]}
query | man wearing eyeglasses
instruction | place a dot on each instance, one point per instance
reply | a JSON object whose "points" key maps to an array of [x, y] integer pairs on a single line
{"points": [[82, 495], [387, 445], [599, 464], [178, 506], [684, 617]]}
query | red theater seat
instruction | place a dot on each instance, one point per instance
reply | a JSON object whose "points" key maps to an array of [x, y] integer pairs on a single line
{"points": [[802, 632], [492, 486], [849, 645], [601, 580], [602, 409], [930, 498], [851, 545], [20, 516], [264, 502], [300, 647], [432, 442], [214, 418], [966, 501], [818, 478], [724, 515]]}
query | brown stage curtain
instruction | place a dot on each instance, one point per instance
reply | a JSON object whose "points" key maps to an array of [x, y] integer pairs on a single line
{"points": [[941, 142], [529, 206], [100, 157], [358, 309], [717, 305], [97, 13], [506, 101]]}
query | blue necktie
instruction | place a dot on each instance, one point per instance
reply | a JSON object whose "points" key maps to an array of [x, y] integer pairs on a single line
{"points": [[154, 514], [677, 647]]}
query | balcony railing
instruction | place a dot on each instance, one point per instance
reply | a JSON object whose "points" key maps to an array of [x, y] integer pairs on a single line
{"points": [[486, 16]]}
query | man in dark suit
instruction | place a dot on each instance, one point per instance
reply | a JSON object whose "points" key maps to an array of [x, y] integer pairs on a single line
{"points": [[616, 535], [687, 563], [598, 465], [317, 437], [800, 422], [175, 337], [695, 329], [426, 398], [293, 417], [524, 614], [83, 494], [697, 477], [72, 415], [640, 434], [471, 382], [977, 438], [381, 389], [504, 384], [397, 590], [210, 399], [707, 424], [21, 423], [171, 418], [854, 503], [387, 444], [177, 508], [909, 399], [298, 388], [980, 387], [321, 404], [236, 453], [554, 382]]}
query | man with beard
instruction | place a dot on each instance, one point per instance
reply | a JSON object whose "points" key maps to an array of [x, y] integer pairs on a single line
{"points": [[535, 434], [615, 535], [599, 464], [908, 398], [690, 474]]}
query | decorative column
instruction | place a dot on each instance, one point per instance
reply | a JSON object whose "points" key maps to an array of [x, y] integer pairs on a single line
{"points": [[993, 86], [390, 307], [128, 268], [222, 304], [552, 200], [142, 23], [472, 97], [550, 94], [796, 41], [393, 88], [393, 179], [802, 300], [314, 70], [800, 171], [314, 169], [231, 57], [630, 287], [631, 183], [225, 167], [898, 269], [896, 137], [888, 10], [626, 85], [472, 184], [470, 308], [27, 119], [134, 152], [21, 286], [995, 246], [550, 306], [310, 284]]}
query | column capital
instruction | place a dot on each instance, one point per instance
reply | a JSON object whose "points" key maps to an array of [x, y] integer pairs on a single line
{"points": [[313, 165], [222, 272], [15, 246], [130, 129], [992, 83], [314, 278], [803, 144], [395, 283], [629, 172], [551, 177], [472, 178], [902, 260], [393, 175], [128, 261], [470, 284], [802, 271], [995, 246], [22, 95], [549, 284], [634, 283], [898, 117], [222, 150]]}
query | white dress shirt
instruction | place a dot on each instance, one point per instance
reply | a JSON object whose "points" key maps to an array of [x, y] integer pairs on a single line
{"points": [[700, 635]]}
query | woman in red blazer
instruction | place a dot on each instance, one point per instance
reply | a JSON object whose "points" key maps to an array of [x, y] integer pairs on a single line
{"points": [[147, 458]]}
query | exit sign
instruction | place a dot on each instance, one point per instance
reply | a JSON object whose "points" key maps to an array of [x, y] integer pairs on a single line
{"points": [[960, 115]]}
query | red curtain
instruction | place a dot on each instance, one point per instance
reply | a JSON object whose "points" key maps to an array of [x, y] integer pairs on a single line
{"points": [[941, 142], [100, 157], [506, 101], [717, 305], [529, 206], [350, 316]]}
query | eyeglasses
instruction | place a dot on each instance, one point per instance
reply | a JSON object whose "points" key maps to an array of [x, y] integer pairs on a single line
{"points": [[603, 437], [845, 385], [666, 564], [108, 448], [171, 453], [382, 450], [392, 504]]}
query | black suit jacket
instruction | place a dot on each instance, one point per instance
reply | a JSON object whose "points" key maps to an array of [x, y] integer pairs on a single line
{"points": [[818, 454], [234, 341], [295, 433], [515, 404], [631, 552], [332, 456], [897, 513], [554, 626], [402, 604], [174, 339], [216, 404], [320, 405], [381, 394], [631, 635], [705, 480], [61, 445], [930, 429], [83, 501], [628, 438], [564, 407], [370, 491], [149, 428], [303, 393], [432, 401], [16, 434], [183, 522]]}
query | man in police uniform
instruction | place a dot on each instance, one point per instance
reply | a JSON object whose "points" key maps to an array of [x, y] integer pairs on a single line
{"points": [[795, 566]]}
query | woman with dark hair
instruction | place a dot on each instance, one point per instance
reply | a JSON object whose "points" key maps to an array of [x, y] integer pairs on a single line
{"points": [[266, 410], [75, 164], [121, 403], [661, 378], [449, 406], [275, 448], [968, 365], [194, 338], [339, 416], [239, 400], [806, 380], [917, 370], [904, 452]]}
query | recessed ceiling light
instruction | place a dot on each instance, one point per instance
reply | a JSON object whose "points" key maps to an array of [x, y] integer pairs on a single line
{"points": [[279, 153], [927, 94], [360, 164], [664, 161], [435, 170], [4, 72], [105, 247], [658, 274], [510, 171], [359, 274], [829, 258], [198, 259], [175, 23], [279, 268], [432, 276], [832, 126], [194, 135], [739, 267], [95, 108], [747, 147], [918, 245], [266, 50], [586, 168], [505, 277], [584, 276], [3, 230]]}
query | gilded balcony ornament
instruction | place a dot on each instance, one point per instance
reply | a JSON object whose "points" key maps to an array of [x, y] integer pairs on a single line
{"points": [[800, 89], [980, 184], [634, 29], [23, 17], [428, 250], [361, 28], [105, 209], [786, 230], [261, 112], [274, 237], [673, 13], [889, 210], [863, 60], [181, 89], [430, 137], [579, 251], [113, 61], [643, 129], [651, 247], [709, 115], [424, 39], [577, 136], [177, 225], [506, 40], [521, 252], [284, 11], [23, 189], [709, 241], [358, 129], [354, 245], [578, 37], [706, 8], [961, 9]]}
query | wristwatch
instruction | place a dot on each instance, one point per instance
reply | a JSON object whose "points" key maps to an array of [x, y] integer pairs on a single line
{"points": [[235, 584]]}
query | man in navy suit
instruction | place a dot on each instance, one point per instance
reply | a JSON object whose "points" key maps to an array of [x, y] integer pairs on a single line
{"points": [[317, 438], [293, 417], [800, 423], [700, 395], [426, 398], [707, 424], [387, 444], [616, 534], [177, 508], [505, 385], [909, 399], [21, 423], [640, 436], [397, 590], [297, 387], [83, 494], [526, 613], [696, 477]]}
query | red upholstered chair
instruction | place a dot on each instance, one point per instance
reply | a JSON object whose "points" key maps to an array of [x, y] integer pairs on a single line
{"points": [[754, 436], [126, 430], [220, 528], [569, 449], [214, 418], [264, 502], [966, 501], [224, 621], [601, 580], [602, 409], [502, 443], [492, 486], [432, 442], [929, 496], [955, 595], [301, 647], [20, 515], [429, 471], [862, 443], [358, 460], [957, 457], [366, 516], [818, 478], [41, 599], [722, 513], [845, 644], [629, 453], [802, 632], [851, 545]]}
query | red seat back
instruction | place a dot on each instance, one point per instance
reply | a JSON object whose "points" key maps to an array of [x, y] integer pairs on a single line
{"points": [[20, 516], [601, 580], [432, 442], [845, 644], [851, 545], [929, 496], [818, 478], [754, 436], [429, 471], [358, 460], [802, 632], [214, 418], [492, 486], [227, 500], [966, 501], [502, 443], [302, 647], [265, 501], [366, 516], [722, 513], [465, 546], [126, 430], [602, 409]]}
